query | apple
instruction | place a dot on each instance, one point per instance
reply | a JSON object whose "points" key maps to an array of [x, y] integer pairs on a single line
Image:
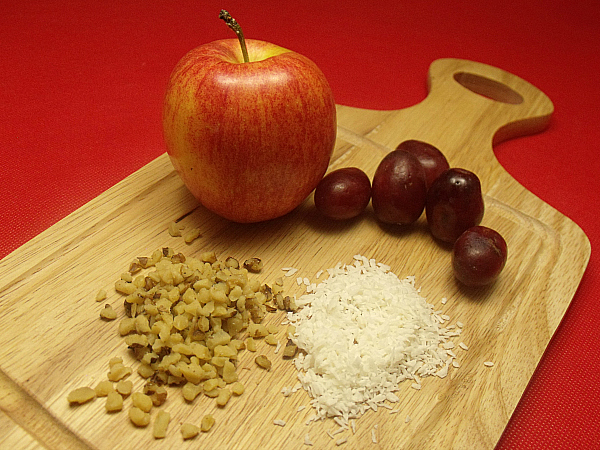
{"points": [[249, 126]]}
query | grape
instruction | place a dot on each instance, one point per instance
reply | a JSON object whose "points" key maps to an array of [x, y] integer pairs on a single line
{"points": [[343, 193], [431, 158], [454, 204], [478, 256], [399, 188]]}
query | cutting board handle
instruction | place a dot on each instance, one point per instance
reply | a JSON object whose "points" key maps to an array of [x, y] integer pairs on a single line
{"points": [[509, 105]]}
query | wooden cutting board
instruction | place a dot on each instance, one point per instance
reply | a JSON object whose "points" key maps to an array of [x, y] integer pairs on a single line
{"points": [[52, 340]]}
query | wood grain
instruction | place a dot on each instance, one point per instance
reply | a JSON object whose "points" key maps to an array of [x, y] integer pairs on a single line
{"points": [[13, 436], [52, 340]]}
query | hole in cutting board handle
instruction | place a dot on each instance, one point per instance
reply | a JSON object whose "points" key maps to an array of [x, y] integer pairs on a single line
{"points": [[488, 88]]}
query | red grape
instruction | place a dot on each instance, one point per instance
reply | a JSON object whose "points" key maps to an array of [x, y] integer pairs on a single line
{"points": [[399, 188], [454, 203], [431, 158], [478, 256], [343, 193]]}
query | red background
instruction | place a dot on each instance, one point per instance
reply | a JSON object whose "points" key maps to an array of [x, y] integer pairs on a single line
{"points": [[81, 87]]}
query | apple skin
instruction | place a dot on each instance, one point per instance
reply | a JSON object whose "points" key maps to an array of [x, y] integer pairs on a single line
{"points": [[250, 140]]}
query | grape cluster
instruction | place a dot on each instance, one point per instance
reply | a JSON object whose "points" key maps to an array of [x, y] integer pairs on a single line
{"points": [[413, 178]]}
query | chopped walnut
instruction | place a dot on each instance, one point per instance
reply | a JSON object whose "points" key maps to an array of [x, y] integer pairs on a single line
{"points": [[143, 261], [209, 257], [114, 402], [138, 417], [290, 350], [124, 387], [158, 394], [101, 295], [237, 388], [108, 313], [263, 361], [271, 339], [253, 265], [189, 431], [192, 235], [207, 423], [161, 424], [142, 401], [223, 397], [232, 263], [289, 304], [135, 267], [181, 319], [104, 388], [81, 395], [175, 229]]}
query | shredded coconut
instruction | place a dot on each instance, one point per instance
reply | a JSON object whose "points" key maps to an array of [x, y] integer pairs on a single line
{"points": [[341, 441], [363, 330], [311, 419], [289, 271], [374, 434], [307, 440]]}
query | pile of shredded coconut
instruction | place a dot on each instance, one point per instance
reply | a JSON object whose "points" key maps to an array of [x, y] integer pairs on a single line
{"points": [[363, 331]]}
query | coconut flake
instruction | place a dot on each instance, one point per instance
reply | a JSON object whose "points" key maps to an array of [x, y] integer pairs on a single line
{"points": [[307, 440], [363, 330], [289, 271]]}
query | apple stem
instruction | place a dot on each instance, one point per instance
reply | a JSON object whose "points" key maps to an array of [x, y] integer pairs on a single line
{"points": [[232, 23]]}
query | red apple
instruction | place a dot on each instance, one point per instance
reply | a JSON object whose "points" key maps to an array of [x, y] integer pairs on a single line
{"points": [[251, 140]]}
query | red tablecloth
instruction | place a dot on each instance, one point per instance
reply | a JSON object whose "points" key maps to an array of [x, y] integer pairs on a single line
{"points": [[81, 95]]}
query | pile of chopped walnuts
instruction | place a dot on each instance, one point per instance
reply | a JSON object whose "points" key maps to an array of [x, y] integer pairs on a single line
{"points": [[183, 316]]}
